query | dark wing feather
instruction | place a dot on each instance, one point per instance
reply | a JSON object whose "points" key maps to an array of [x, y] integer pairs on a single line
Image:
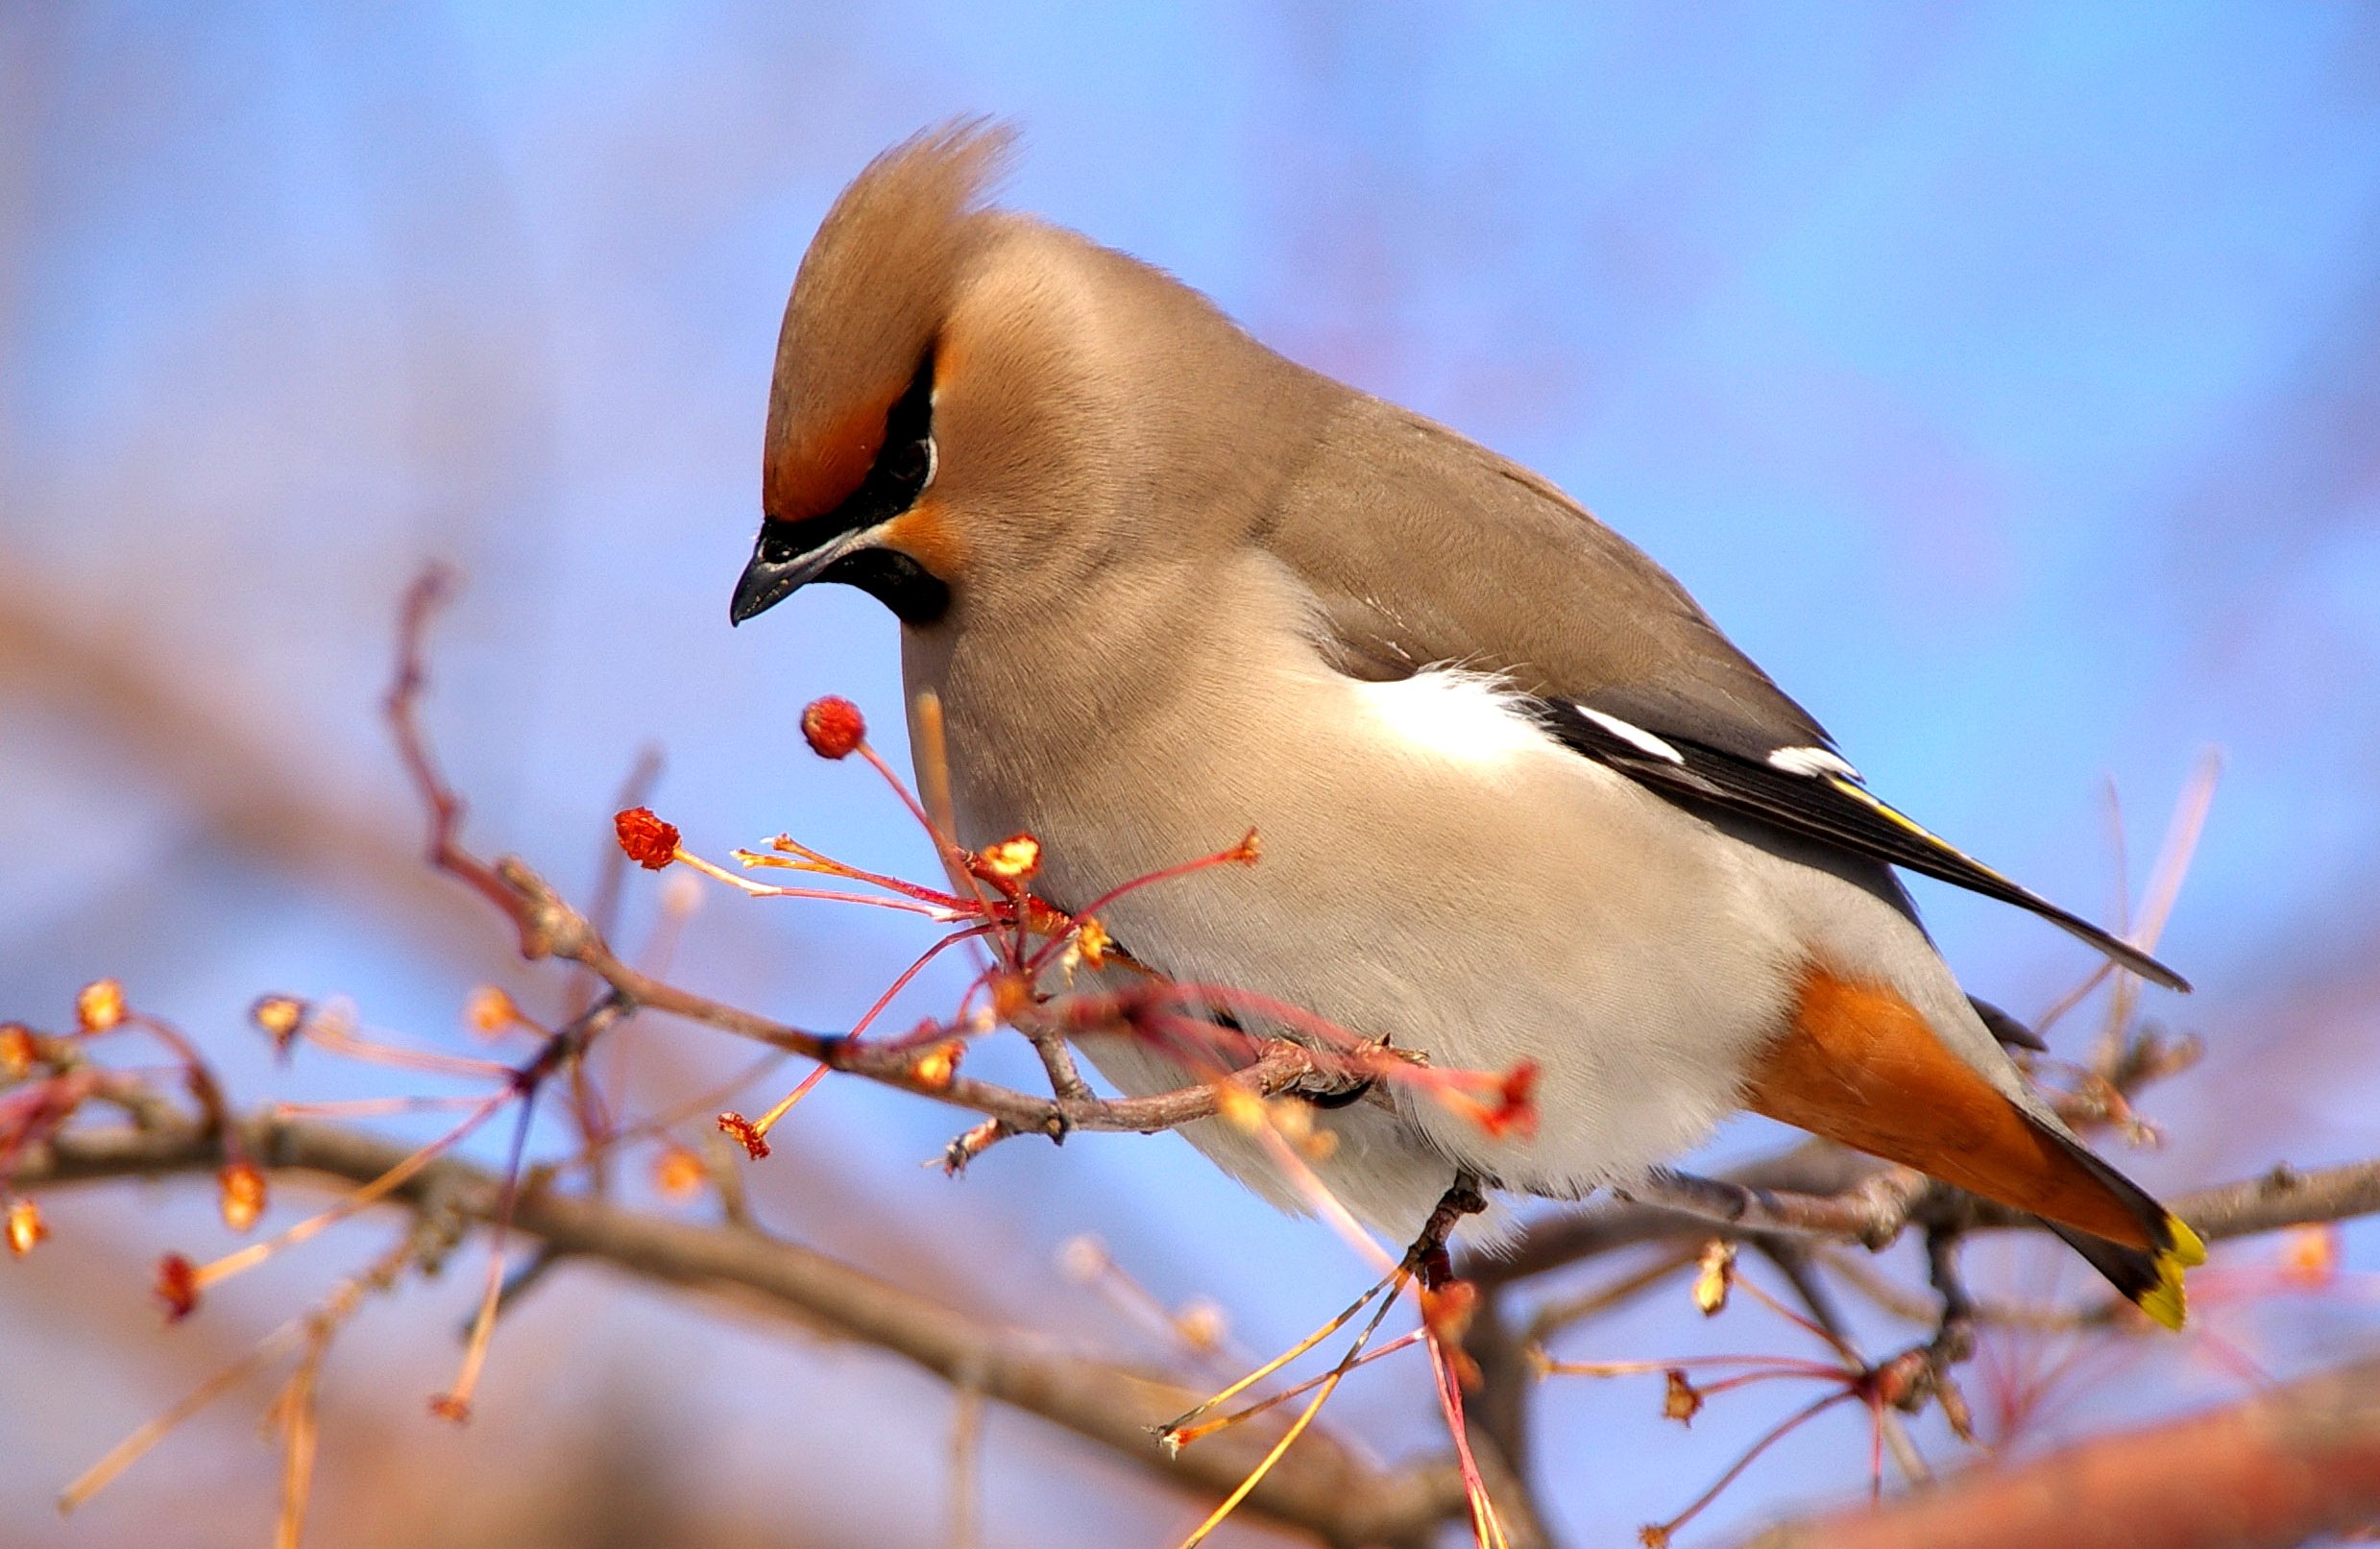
{"points": [[1830, 808]]}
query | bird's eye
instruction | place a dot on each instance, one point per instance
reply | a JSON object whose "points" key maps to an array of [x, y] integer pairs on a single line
{"points": [[910, 464], [904, 464]]}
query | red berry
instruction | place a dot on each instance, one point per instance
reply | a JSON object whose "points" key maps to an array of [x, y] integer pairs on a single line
{"points": [[834, 726], [648, 841]]}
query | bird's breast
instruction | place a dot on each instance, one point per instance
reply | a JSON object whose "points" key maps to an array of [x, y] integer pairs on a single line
{"points": [[1434, 871]]}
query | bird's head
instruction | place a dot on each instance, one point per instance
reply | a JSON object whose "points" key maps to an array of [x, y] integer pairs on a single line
{"points": [[852, 480], [970, 403]]}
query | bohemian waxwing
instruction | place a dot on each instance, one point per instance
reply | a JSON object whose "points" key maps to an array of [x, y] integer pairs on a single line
{"points": [[1518, 798]]}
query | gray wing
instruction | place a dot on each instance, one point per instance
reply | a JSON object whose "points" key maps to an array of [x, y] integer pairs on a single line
{"points": [[1423, 548]]}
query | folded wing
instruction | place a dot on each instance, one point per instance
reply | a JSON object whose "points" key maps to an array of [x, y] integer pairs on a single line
{"points": [[1421, 549]]}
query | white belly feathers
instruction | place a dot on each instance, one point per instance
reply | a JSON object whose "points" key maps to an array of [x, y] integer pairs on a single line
{"points": [[1437, 873], [1446, 712]]}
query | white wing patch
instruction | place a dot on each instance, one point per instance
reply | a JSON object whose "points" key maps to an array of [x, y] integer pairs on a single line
{"points": [[1635, 737], [1469, 717], [1813, 761]]}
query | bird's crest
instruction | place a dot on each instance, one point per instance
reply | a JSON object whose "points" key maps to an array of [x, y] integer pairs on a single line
{"points": [[872, 296]]}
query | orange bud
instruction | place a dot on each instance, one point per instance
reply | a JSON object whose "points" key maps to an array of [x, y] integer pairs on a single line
{"points": [[1010, 863], [241, 1187], [1510, 1109], [449, 1407], [100, 1006], [1682, 1401], [1447, 1310], [25, 1226], [1516, 1109], [679, 1173], [1292, 1119], [833, 727], [490, 1011], [1240, 1107], [746, 1133], [177, 1286], [2310, 1257], [279, 1017], [1010, 995], [18, 1053], [1653, 1535], [1092, 940], [645, 838], [1893, 1382], [936, 1067], [1083, 1258], [1717, 1273], [1202, 1326], [680, 896]]}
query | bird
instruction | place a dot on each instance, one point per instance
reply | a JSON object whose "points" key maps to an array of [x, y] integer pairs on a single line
{"points": [[1520, 799]]}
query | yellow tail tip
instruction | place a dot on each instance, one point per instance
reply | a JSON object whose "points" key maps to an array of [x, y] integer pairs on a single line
{"points": [[2167, 1303]]}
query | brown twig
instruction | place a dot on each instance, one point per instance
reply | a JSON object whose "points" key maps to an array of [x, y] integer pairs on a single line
{"points": [[423, 599], [1795, 1261]]}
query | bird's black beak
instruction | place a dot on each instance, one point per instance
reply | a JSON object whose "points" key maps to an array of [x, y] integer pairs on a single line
{"points": [[783, 562]]}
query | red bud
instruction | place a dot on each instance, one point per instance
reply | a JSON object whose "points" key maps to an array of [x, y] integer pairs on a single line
{"points": [[648, 841], [833, 727]]}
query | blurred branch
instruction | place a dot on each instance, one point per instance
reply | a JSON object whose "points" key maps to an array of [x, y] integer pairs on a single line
{"points": [[2281, 1469], [2282, 1198], [203, 746], [1320, 1486], [1801, 1194], [1551, 1242]]}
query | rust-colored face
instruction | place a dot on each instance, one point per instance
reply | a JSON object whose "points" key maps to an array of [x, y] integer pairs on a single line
{"points": [[825, 468]]}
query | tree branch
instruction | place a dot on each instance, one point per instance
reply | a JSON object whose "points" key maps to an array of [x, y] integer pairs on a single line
{"points": [[1808, 1193], [2274, 1471], [1319, 1487], [550, 928]]}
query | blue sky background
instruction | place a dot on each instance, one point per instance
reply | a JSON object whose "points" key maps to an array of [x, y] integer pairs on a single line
{"points": [[2006, 379]]}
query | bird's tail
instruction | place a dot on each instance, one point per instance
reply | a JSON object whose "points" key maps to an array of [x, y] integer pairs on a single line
{"points": [[1862, 1066], [2150, 1278]]}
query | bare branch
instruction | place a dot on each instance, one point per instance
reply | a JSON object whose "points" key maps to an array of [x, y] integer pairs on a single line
{"points": [[2282, 1198], [1320, 1486], [1794, 1194], [1814, 1168], [2269, 1473]]}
